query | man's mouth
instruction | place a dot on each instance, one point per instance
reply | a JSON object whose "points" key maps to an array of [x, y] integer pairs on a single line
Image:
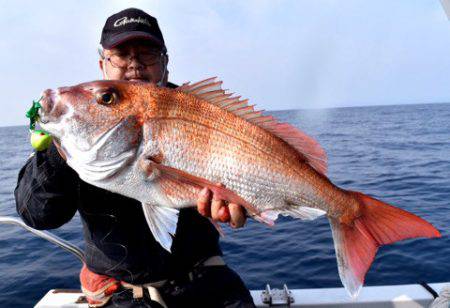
{"points": [[138, 79], [142, 79]]}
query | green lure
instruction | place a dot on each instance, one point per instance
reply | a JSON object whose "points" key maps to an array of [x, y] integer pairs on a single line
{"points": [[40, 140]]}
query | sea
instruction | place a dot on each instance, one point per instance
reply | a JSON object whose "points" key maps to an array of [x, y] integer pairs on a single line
{"points": [[400, 154]]}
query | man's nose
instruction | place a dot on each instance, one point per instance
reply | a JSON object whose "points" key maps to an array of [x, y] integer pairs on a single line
{"points": [[134, 64]]}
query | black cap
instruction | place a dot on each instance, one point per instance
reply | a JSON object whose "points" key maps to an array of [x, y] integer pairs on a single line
{"points": [[131, 24]]}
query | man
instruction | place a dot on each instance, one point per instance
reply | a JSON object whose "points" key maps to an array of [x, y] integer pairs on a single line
{"points": [[121, 253]]}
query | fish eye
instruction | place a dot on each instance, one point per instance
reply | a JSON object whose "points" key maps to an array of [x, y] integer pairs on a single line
{"points": [[106, 98]]}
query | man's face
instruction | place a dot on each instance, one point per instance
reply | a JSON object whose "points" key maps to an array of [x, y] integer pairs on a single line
{"points": [[135, 60]]}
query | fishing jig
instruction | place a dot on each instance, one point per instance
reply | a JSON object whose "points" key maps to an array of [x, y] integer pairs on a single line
{"points": [[40, 140]]}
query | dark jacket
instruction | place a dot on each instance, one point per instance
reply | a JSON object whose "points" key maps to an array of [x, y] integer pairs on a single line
{"points": [[118, 240]]}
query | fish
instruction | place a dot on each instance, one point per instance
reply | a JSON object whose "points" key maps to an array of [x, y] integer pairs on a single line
{"points": [[162, 146]]}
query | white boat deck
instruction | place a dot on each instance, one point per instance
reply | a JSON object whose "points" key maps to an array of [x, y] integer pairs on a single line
{"points": [[398, 296]]}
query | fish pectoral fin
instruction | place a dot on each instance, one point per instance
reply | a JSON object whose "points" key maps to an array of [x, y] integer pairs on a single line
{"points": [[147, 165], [219, 191], [162, 222]]}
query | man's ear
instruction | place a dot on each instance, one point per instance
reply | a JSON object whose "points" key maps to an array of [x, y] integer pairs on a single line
{"points": [[102, 68], [100, 64]]}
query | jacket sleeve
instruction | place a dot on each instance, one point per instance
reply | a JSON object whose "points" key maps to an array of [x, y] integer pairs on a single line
{"points": [[47, 190]]}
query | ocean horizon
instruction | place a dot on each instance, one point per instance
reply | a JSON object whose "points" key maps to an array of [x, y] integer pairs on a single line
{"points": [[313, 109]]}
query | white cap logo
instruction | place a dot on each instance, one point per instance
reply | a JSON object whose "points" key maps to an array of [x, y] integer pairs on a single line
{"points": [[125, 20]]}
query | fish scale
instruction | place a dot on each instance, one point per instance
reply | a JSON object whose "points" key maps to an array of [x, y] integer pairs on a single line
{"points": [[221, 153], [240, 130]]}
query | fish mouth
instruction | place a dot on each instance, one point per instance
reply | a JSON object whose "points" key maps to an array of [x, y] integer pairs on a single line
{"points": [[45, 119], [52, 110], [42, 119], [47, 103]]}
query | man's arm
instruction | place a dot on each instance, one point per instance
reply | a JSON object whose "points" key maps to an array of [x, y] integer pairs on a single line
{"points": [[47, 191]]}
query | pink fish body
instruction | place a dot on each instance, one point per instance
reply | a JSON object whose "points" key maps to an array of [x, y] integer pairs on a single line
{"points": [[162, 146]]}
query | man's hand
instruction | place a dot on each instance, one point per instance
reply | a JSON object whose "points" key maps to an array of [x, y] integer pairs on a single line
{"points": [[215, 208]]}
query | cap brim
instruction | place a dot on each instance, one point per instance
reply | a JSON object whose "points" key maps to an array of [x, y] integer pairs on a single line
{"points": [[127, 36]]}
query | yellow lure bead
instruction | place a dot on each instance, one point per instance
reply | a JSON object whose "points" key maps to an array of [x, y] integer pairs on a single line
{"points": [[40, 140]]}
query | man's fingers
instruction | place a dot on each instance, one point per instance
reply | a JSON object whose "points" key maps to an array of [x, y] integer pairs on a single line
{"points": [[204, 202], [218, 210], [216, 205], [224, 214], [237, 215]]}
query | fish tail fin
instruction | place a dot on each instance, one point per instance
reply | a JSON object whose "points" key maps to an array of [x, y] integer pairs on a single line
{"points": [[357, 243]]}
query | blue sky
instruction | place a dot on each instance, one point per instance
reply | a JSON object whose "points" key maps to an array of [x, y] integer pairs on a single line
{"points": [[279, 54]]}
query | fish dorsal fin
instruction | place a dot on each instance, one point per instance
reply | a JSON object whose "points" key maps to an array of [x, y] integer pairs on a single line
{"points": [[210, 90]]}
